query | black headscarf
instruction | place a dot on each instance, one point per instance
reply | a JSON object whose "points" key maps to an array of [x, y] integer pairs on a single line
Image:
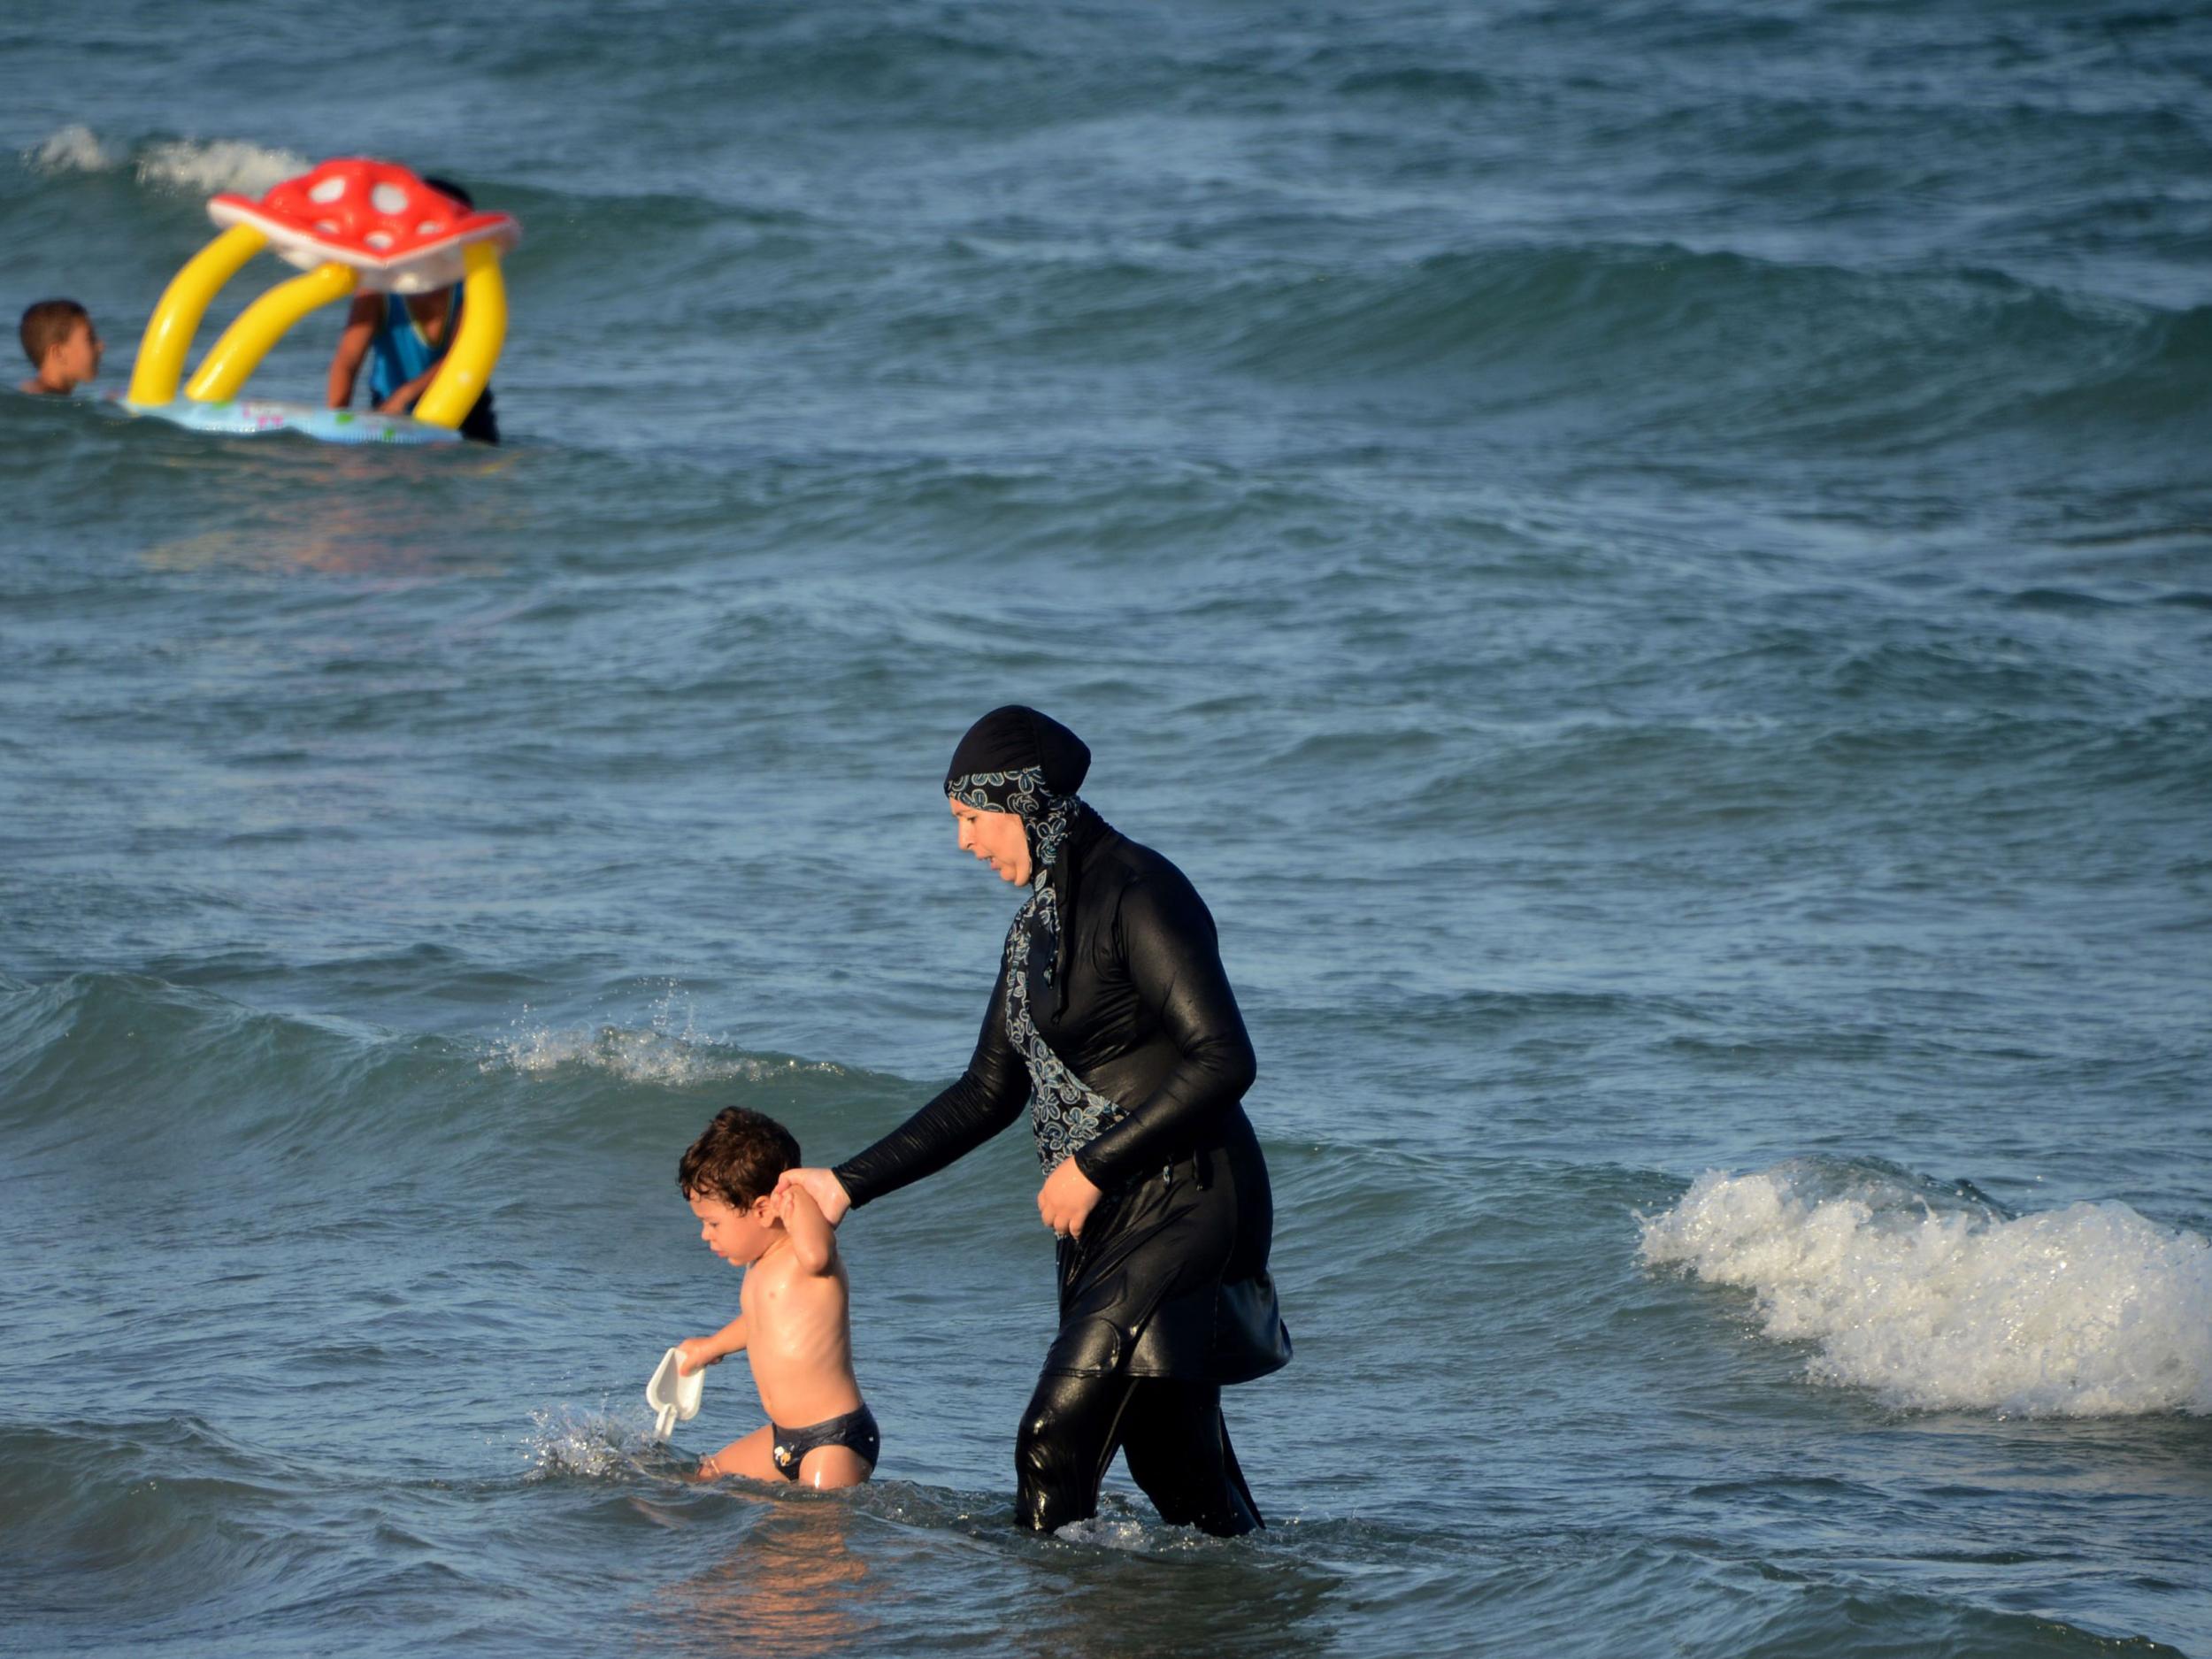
{"points": [[1017, 760], [1011, 741]]}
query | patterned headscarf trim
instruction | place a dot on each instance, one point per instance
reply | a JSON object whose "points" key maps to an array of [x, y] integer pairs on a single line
{"points": [[1065, 1112]]}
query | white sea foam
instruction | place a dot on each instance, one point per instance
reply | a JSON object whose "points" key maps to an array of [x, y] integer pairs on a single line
{"points": [[672, 1051], [218, 164], [199, 165], [2085, 1311], [74, 149]]}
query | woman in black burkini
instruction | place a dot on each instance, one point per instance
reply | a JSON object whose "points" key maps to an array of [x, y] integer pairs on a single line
{"points": [[1113, 1021]]}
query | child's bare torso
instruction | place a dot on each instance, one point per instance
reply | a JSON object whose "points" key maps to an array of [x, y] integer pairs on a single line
{"points": [[799, 1339]]}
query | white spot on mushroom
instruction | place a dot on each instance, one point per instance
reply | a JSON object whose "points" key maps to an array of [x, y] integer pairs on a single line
{"points": [[388, 199], [329, 191], [379, 240], [326, 226], [428, 227]]}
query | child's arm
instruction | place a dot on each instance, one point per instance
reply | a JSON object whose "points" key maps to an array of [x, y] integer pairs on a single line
{"points": [[813, 1244], [695, 1353], [353, 345], [403, 400]]}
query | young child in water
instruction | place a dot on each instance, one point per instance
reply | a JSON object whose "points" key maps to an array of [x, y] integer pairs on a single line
{"points": [[404, 341], [792, 1321], [63, 346]]}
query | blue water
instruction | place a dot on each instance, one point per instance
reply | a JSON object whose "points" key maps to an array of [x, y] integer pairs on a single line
{"points": [[1653, 563]]}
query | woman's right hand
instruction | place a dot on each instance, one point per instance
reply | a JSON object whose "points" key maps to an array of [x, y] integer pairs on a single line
{"points": [[823, 1186]]}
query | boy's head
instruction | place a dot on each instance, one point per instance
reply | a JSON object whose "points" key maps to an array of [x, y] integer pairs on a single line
{"points": [[728, 1173], [61, 342]]}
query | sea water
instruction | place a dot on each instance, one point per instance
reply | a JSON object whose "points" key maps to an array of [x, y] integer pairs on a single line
{"points": [[1654, 564]]}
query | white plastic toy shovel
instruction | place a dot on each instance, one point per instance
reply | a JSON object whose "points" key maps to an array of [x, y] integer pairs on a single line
{"points": [[674, 1399]]}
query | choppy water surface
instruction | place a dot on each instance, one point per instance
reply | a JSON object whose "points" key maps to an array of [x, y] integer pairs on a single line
{"points": [[1654, 566]]}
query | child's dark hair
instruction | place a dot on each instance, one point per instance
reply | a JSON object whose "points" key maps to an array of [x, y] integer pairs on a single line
{"points": [[49, 324], [446, 187], [738, 1158]]}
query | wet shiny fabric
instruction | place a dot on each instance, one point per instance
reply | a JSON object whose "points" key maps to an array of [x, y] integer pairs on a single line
{"points": [[1166, 1297], [1171, 1279], [1161, 1283], [856, 1431], [1171, 1432]]}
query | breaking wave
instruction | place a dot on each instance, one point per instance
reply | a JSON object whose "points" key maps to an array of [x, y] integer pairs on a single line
{"points": [[184, 163], [1936, 1299]]}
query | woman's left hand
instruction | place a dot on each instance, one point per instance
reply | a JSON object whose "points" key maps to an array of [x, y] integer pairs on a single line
{"points": [[1066, 1200]]}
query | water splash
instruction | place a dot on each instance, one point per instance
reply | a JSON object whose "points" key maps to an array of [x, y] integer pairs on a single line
{"points": [[1116, 1526], [572, 1444], [2090, 1310], [670, 1049]]}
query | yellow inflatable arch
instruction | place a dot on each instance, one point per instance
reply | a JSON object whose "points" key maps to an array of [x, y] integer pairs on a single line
{"points": [[352, 225]]}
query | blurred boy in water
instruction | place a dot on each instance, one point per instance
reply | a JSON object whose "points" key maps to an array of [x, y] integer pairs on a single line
{"points": [[63, 346], [793, 1321], [404, 340]]}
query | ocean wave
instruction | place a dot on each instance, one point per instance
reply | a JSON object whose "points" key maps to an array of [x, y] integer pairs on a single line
{"points": [[1713, 341], [55, 1473], [1747, 349], [1671, 326], [1938, 1299], [165, 1509], [217, 164], [669, 1049], [112, 1042], [199, 166], [89, 1051], [191, 164], [72, 148]]}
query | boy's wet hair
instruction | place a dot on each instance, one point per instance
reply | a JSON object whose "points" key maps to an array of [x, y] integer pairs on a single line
{"points": [[738, 1158], [49, 324]]}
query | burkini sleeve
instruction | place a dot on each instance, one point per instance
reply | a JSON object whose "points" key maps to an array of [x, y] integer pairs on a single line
{"points": [[1174, 959], [987, 1097]]}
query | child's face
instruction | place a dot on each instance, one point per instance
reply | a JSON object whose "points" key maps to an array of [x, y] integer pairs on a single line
{"points": [[740, 1237], [77, 359]]}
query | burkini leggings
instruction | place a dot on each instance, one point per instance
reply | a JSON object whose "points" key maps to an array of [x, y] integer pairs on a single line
{"points": [[1177, 1445]]}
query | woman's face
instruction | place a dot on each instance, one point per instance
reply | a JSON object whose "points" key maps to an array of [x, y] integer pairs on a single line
{"points": [[997, 838]]}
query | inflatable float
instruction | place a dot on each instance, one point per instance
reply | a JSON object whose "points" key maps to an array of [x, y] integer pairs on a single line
{"points": [[353, 225]]}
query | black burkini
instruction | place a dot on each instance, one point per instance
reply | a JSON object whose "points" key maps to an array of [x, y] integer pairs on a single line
{"points": [[1143, 1065]]}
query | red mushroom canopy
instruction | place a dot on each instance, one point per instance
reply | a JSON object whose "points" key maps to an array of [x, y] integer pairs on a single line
{"points": [[402, 235]]}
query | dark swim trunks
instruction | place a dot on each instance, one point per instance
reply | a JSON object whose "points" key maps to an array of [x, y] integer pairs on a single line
{"points": [[855, 1430]]}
